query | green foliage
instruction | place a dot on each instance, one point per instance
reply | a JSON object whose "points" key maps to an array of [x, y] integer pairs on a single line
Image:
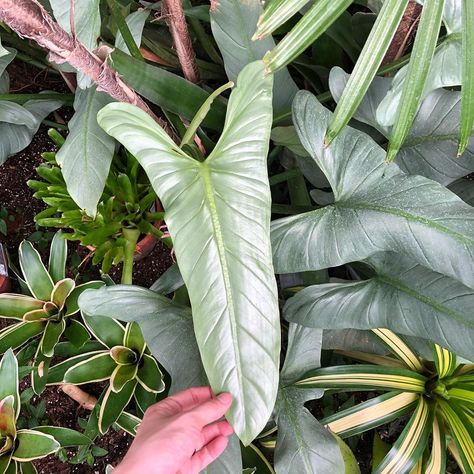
{"points": [[126, 203], [45, 314]]}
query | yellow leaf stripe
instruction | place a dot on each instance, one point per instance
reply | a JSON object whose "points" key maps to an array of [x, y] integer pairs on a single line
{"points": [[399, 348], [445, 361], [459, 429], [437, 461], [403, 454], [372, 413], [366, 380]]}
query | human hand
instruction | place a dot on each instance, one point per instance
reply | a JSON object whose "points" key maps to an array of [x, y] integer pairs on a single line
{"points": [[180, 435]]}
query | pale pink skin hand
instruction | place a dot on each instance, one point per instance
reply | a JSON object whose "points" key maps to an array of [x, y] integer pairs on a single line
{"points": [[180, 435]]}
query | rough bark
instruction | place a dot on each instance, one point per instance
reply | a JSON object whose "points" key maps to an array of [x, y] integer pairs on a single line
{"points": [[405, 32], [173, 12], [30, 20]]}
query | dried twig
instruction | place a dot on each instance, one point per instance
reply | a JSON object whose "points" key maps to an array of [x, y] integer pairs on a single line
{"points": [[30, 20], [173, 12]]}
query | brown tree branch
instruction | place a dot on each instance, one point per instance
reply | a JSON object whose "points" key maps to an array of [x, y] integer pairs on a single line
{"points": [[405, 32], [30, 20], [173, 12]]}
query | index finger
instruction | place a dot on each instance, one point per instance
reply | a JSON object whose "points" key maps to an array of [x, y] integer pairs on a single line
{"points": [[187, 399], [212, 410]]}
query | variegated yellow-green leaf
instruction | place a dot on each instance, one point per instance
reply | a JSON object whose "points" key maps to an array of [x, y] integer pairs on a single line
{"points": [[409, 447], [445, 361], [370, 414], [437, 461]]}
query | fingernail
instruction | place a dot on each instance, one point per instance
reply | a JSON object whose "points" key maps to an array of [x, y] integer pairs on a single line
{"points": [[225, 398]]}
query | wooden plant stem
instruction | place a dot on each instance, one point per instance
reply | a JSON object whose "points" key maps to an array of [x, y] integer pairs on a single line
{"points": [[86, 401], [30, 20], [405, 32], [173, 11]]}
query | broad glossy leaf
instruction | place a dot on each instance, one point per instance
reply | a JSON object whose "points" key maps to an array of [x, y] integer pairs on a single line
{"points": [[56, 373], [431, 146], [221, 229], [303, 444], [166, 89], [15, 306], [34, 445], [402, 296], [6, 57], [445, 71], [109, 333], [166, 325], [417, 73], [65, 436], [57, 257], [149, 375], [87, 25], [464, 188], [17, 137], [14, 113], [76, 333], [169, 282], [9, 379], [377, 207], [233, 24], [87, 152]]}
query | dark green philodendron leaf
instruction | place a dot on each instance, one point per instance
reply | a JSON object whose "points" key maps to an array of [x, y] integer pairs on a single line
{"points": [[87, 152], [233, 24], [430, 149], [218, 215], [303, 444], [377, 208], [402, 296], [464, 188], [166, 326], [16, 137]]}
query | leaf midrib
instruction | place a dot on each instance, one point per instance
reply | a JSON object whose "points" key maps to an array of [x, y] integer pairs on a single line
{"points": [[420, 297], [218, 237], [406, 215]]}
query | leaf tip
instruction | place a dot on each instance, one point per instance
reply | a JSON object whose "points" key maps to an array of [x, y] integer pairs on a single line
{"points": [[391, 154]]}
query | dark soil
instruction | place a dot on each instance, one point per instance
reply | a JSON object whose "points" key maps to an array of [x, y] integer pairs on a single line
{"points": [[17, 199]]}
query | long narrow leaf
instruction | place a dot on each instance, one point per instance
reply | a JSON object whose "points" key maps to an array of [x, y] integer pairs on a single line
{"points": [[423, 50], [445, 361], [370, 414], [275, 14], [364, 377], [437, 461], [467, 91], [409, 447], [313, 24], [399, 348]]}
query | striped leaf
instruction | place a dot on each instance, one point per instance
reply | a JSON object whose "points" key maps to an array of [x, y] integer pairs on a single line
{"points": [[462, 395], [370, 414], [57, 257], [36, 276], [399, 348], [16, 335], [437, 461], [423, 50], [364, 377], [367, 65], [313, 24], [409, 447], [445, 361], [462, 430], [275, 15], [386, 361], [467, 91], [15, 306]]}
